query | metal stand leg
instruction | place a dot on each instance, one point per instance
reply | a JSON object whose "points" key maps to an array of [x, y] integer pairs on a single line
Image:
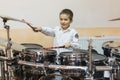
{"points": [[2, 70]]}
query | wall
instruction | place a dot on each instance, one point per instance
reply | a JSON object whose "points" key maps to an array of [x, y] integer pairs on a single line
{"points": [[87, 13]]}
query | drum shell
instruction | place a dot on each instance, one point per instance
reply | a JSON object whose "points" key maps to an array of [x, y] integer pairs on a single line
{"points": [[73, 59], [40, 56]]}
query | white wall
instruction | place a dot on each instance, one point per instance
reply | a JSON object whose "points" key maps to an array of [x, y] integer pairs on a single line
{"points": [[87, 13]]}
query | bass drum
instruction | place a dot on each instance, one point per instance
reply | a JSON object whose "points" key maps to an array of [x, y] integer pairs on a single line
{"points": [[77, 58]]}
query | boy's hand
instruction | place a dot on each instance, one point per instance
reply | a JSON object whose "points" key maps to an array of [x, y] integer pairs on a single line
{"points": [[67, 45]]}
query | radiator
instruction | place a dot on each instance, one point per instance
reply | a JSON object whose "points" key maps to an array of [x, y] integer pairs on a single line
{"points": [[97, 42]]}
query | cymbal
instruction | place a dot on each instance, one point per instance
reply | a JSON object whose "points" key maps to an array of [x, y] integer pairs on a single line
{"points": [[10, 18], [15, 46], [111, 44], [115, 19]]}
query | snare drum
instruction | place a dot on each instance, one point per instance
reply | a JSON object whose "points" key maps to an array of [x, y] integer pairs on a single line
{"points": [[73, 59]]}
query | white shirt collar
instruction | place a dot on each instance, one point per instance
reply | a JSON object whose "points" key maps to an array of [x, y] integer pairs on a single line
{"points": [[68, 29]]}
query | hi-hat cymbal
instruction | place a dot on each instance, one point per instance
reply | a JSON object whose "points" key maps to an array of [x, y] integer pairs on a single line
{"points": [[115, 19], [10, 18], [15, 46]]}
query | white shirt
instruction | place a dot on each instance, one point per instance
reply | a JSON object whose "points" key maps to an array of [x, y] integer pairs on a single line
{"points": [[61, 37]]}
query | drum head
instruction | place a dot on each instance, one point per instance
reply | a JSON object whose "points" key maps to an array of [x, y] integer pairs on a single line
{"points": [[77, 52], [32, 46], [44, 52]]}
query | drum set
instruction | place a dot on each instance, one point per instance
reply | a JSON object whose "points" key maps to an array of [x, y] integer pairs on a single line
{"points": [[31, 61]]}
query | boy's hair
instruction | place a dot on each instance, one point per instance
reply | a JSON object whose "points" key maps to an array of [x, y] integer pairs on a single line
{"points": [[68, 12]]}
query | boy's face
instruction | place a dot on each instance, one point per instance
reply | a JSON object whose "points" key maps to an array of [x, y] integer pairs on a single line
{"points": [[65, 21]]}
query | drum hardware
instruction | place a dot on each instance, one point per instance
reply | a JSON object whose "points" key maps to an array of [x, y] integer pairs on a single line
{"points": [[2, 59], [9, 62], [103, 68], [90, 71], [51, 66], [8, 47], [41, 65], [114, 66], [7, 44], [44, 67]]}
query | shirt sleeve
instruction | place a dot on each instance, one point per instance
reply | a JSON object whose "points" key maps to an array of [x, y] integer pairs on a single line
{"points": [[75, 41], [48, 31]]}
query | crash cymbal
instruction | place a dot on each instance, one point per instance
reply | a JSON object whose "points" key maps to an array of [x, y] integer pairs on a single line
{"points": [[10, 18], [15, 46], [115, 19]]}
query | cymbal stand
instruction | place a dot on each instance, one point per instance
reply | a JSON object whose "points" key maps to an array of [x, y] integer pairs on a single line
{"points": [[8, 48], [45, 64], [89, 75]]}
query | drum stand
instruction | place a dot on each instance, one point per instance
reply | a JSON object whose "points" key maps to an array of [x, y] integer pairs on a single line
{"points": [[2, 69], [89, 75], [8, 52]]}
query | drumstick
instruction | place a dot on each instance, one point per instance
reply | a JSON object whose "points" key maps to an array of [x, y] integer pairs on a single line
{"points": [[54, 47], [28, 24]]}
